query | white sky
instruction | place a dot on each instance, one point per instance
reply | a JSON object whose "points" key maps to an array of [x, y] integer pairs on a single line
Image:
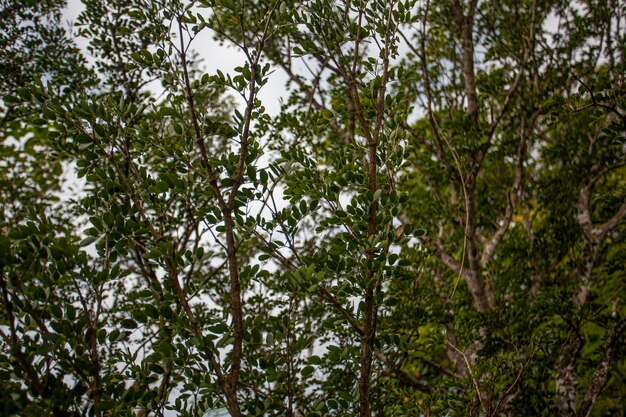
{"points": [[214, 57]]}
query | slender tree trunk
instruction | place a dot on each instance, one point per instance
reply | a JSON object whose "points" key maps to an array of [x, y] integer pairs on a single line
{"points": [[465, 24]]}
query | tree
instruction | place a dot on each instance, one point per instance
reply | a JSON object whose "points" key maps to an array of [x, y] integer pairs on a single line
{"points": [[433, 224]]}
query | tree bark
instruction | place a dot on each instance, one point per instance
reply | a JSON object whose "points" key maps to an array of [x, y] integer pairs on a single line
{"points": [[566, 376], [602, 372], [465, 24]]}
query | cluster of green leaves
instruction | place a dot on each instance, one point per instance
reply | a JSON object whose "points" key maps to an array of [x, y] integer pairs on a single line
{"points": [[433, 224]]}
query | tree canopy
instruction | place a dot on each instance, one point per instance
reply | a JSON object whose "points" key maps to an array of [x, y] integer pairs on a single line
{"points": [[431, 225]]}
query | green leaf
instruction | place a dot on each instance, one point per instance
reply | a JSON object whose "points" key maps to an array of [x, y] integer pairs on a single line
{"points": [[219, 328], [88, 241], [128, 324], [102, 333], [314, 360], [307, 371]]}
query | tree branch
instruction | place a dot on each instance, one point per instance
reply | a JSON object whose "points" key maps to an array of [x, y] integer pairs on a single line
{"points": [[326, 294], [444, 257], [491, 246], [465, 24], [602, 372], [598, 233], [566, 380]]}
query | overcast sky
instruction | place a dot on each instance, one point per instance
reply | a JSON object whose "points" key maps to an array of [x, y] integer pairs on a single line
{"points": [[214, 57]]}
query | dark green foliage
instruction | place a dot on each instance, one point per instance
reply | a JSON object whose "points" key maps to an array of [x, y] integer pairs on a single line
{"points": [[432, 224]]}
